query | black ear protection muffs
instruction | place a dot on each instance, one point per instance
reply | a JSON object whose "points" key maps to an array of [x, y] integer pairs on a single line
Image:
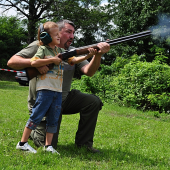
{"points": [[44, 36]]}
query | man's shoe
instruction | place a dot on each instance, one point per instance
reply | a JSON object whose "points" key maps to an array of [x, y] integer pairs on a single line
{"points": [[26, 147], [93, 150], [50, 149], [89, 148]]}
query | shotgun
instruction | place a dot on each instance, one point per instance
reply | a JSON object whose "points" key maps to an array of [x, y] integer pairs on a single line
{"points": [[32, 72]]}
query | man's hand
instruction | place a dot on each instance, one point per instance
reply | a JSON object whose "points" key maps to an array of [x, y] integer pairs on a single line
{"points": [[104, 48], [43, 69]]}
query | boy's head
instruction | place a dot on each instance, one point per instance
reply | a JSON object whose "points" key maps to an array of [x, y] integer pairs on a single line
{"points": [[48, 33]]}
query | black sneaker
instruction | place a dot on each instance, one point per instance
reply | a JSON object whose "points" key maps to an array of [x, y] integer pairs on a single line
{"points": [[93, 150], [89, 148]]}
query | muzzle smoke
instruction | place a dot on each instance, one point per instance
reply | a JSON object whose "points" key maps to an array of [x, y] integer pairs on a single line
{"points": [[161, 31]]}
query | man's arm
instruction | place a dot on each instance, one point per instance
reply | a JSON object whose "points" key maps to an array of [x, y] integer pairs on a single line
{"points": [[21, 60], [18, 63], [90, 68]]}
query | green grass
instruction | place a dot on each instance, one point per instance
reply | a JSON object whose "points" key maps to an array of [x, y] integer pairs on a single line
{"points": [[128, 139]]}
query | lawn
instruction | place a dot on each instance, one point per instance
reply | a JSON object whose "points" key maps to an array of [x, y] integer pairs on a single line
{"points": [[128, 139]]}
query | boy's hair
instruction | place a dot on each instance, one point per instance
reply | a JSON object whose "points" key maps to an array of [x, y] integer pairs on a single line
{"points": [[47, 26], [61, 24]]}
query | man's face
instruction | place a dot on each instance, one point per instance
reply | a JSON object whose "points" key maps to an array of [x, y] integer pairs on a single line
{"points": [[66, 36]]}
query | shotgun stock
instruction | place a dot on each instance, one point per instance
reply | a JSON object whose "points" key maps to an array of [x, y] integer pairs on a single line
{"points": [[33, 72]]}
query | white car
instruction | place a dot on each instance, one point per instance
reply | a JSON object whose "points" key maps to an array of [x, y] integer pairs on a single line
{"points": [[22, 79]]}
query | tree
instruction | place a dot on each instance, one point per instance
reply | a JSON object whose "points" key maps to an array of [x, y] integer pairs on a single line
{"points": [[133, 16], [12, 38], [82, 12]]}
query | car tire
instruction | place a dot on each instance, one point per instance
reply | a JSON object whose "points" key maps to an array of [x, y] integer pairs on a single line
{"points": [[22, 84]]}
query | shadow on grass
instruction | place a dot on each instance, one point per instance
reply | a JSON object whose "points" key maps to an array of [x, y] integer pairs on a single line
{"points": [[108, 155]]}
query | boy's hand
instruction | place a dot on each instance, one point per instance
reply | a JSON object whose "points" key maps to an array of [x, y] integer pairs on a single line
{"points": [[57, 60], [92, 51]]}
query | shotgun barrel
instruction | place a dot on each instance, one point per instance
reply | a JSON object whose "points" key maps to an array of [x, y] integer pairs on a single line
{"points": [[130, 37]]}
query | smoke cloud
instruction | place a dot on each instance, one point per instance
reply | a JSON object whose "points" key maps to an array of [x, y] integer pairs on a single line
{"points": [[162, 30]]}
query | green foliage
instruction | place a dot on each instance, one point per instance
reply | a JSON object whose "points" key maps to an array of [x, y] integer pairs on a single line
{"points": [[100, 83], [139, 81], [87, 16], [132, 82], [12, 38], [160, 54], [119, 63], [133, 16], [162, 101]]}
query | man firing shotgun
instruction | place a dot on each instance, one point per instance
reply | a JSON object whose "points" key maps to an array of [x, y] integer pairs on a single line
{"points": [[74, 101]]}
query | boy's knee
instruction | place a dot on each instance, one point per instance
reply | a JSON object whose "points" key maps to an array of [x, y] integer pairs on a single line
{"points": [[31, 125]]}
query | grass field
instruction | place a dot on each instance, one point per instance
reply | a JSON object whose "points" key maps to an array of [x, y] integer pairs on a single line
{"points": [[128, 139]]}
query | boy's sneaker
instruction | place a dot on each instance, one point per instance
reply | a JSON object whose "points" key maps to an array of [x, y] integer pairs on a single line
{"points": [[50, 149], [26, 147]]}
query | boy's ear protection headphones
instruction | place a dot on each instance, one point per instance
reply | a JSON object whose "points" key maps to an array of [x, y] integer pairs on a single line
{"points": [[44, 36]]}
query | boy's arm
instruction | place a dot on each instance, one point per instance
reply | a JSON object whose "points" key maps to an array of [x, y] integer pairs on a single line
{"points": [[39, 59], [76, 60], [38, 62]]}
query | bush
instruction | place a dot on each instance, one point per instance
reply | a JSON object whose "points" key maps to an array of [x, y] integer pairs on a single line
{"points": [[99, 84], [131, 82], [143, 85]]}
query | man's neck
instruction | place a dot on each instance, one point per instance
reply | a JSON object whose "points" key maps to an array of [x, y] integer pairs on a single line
{"points": [[62, 47]]}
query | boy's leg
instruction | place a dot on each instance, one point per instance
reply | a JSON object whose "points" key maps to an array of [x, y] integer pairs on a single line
{"points": [[39, 134], [41, 107], [55, 137], [26, 134], [52, 121], [23, 144], [49, 137], [48, 147]]}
